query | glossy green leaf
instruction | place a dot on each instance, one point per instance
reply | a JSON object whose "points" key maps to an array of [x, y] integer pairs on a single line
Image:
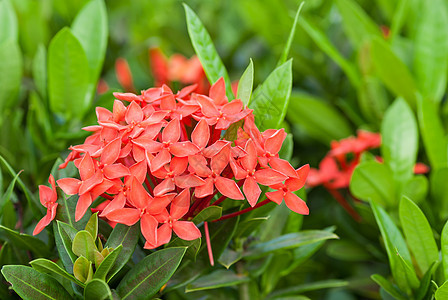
{"points": [[107, 264], [292, 33], [329, 126], [373, 181], [146, 278], [399, 140], [442, 291], [68, 75], [9, 215], [246, 227], [416, 188], [92, 226], [418, 234], [24, 241], [64, 234], [229, 257], [8, 22], [206, 52], [11, 65], [91, 28], [97, 289], [48, 267], [288, 241], [245, 84], [216, 279], [406, 275], [209, 213], [84, 245], [126, 236], [444, 249], [430, 51], [270, 100], [82, 269], [392, 71], [39, 71], [433, 134], [389, 287], [307, 287], [221, 233], [426, 281], [31, 284], [358, 26], [192, 246], [325, 45]]}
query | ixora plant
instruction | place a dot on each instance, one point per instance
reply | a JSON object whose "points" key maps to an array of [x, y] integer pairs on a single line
{"points": [[162, 171]]}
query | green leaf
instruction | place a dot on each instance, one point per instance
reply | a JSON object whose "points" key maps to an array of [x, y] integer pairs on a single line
{"points": [[68, 75], [64, 234], [97, 289], [84, 245], [270, 100], [229, 257], [331, 124], [430, 51], [39, 70], [82, 269], [48, 267], [392, 71], [288, 241], [127, 236], [208, 214], [206, 52], [426, 280], [433, 134], [216, 279], [325, 45], [373, 99], [245, 84], [221, 233], [390, 288], [92, 226], [292, 33], [192, 246], [146, 278], [9, 215], [358, 26], [11, 65], [24, 241], [8, 22], [407, 272], [442, 292], [416, 188], [418, 234], [246, 227], [107, 264], [373, 181], [347, 251], [439, 193], [399, 141], [66, 212], [444, 249], [307, 287], [30, 284]]}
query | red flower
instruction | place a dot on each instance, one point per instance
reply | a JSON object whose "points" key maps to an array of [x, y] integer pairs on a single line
{"points": [[48, 197]]}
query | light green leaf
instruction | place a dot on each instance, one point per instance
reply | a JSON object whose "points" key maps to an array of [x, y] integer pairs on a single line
{"points": [[82, 269], [433, 134], [416, 188], [216, 279], [92, 226], [97, 289], [373, 181], [24, 241], [48, 267], [10, 73], [270, 100], [31, 285], [418, 234], [393, 72], [68, 75], [430, 51], [209, 213], [399, 141], [91, 29], [426, 281], [292, 33], [442, 291], [358, 26], [39, 71], [206, 52], [288, 241], [84, 245], [146, 278], [331, 125], [406, 273], [245, 84], [107, 264], [444, 249], [390, 288], [8, 22]]}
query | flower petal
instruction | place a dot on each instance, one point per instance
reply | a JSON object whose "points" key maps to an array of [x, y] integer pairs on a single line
{"points": [[70, 186], [167, 185], [276, 196], [228, 188], [251, 190], [138, 196], [218, 92], [269, 177], [126, 216], [296, 204], [180, 205], [111, 152], [274, 143], [204, 190], [117, 203], [184, 149], [208, 108], [161, 159], [201, 134], [186, 230], [115, 171], [199, 165], [171, 133], [86, 167], [134, 113], [148, 225], [83, 204], [187, 181], [282, 166]]}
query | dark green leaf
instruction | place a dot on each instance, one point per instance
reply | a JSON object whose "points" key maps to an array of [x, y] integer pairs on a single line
{"points": [[216, 279], [347, 251], [146, 278], [205, 50], [389, 287], [126, 236], [66, 212], [8, 22], [373, 181], [288, 241], [32, 285], [245, 84], [64, 234], [229, 257], [426, 280], [10, 73], [246, 227], [68, 75], [48, 267], [331, 125], [270, 100], [392, 71], [430, 51], [192, 246], [107, 264], [221, 233], [208, 214], [399, 141], [24, 241], [97, 289], [307, 287]]}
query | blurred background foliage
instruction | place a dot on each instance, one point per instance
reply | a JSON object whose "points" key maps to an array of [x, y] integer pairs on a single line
{"points": [[351, 59]]}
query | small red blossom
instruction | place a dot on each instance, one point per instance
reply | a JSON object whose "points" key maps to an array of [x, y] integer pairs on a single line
{"points": [[48, 197]]}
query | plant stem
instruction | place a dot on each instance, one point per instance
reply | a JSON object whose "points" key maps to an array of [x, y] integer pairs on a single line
{"points": [[209, 245], [343, 202], [106, 196], [237, 213]]}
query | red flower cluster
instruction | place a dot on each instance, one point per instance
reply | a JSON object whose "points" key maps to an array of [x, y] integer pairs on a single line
{"points": [[161, 159]]}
